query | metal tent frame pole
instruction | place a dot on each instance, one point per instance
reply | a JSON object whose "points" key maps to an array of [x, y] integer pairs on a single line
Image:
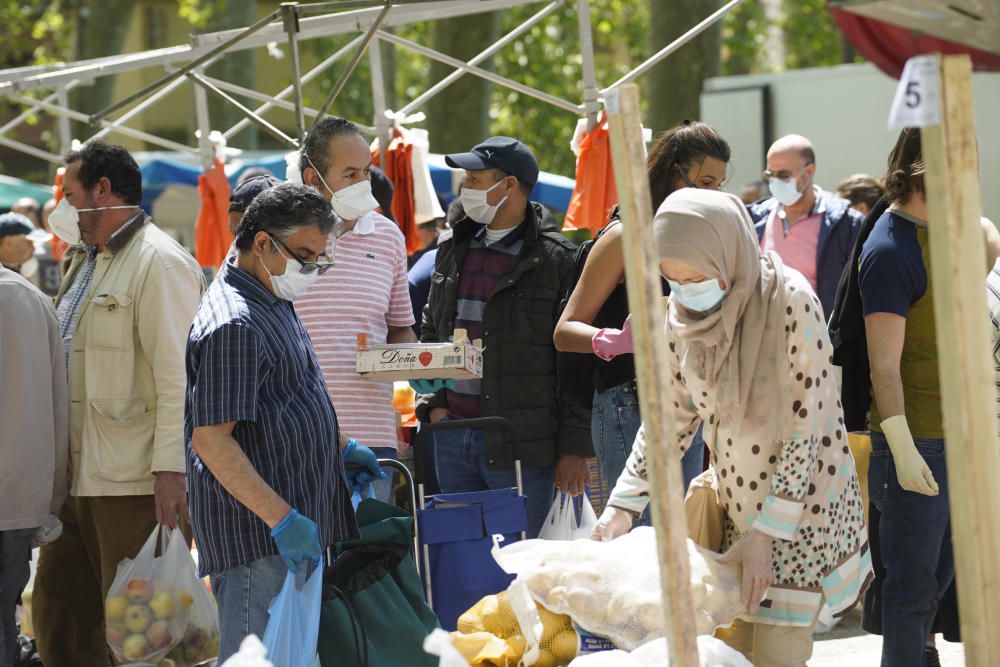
{"points": [[275, 99], [423, 98], [292, 23]]}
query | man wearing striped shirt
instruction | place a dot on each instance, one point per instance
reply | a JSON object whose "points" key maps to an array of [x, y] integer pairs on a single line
{"points": [[366, 291], [266, 478]]}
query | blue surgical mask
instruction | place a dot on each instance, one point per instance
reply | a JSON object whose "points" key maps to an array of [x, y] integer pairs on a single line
{"points": [[699, 297]]}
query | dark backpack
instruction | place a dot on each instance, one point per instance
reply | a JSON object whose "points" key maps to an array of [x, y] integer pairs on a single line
{"points": [[847, 332], [575, 371]]}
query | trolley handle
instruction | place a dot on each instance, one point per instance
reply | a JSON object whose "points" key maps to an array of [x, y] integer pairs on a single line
{"points": [[482, 423], [412, 488]]}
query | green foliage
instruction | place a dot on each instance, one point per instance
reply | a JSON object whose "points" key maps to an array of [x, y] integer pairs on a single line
{"points": [[547, 57], [744, 32], [35, 32], [811, 37], [199, 12]]}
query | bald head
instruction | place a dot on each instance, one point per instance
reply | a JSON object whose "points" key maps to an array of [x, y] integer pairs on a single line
{"points": [[796, 144]]}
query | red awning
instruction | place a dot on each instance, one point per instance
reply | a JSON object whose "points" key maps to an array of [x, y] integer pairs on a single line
{"points": [[889, 46]]}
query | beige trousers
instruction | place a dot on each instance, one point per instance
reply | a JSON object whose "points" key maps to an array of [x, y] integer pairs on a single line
{"points": [[767, 645]]}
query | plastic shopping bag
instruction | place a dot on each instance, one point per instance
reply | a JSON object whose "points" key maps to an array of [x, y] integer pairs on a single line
{"points": [[201, 639], [438, 643], [561, 522], [251, 654], [585, 581], [144, 612], [293, 628]]}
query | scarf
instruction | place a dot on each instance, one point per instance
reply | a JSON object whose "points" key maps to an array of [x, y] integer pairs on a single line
{"points": [[735, 355]]}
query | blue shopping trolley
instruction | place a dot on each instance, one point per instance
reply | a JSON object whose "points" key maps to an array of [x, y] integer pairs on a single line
{"points": [[456, 530]]}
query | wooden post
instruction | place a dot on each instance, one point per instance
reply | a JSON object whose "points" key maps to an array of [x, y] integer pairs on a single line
{"points": [[969, 398], [652, 363]]}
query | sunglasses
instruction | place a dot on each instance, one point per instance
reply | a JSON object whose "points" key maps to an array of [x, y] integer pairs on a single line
{"points": [[320, 267]]}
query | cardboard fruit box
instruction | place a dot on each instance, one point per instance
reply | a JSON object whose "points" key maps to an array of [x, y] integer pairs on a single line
{"points": [[461, 359]]}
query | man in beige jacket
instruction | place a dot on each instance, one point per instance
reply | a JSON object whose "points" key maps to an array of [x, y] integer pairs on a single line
{"points": [[33, 440], [124, 308]]}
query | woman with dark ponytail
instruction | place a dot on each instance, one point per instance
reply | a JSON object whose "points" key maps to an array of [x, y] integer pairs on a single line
{"points": [[595, 320]]}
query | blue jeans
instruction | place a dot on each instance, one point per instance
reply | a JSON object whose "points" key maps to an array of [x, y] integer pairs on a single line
{"points": [[915, 538], [460, 462], [243, 595], [614, 422]]}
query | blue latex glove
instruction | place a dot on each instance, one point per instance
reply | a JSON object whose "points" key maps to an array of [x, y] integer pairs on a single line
{"points": [[365, 468], [431, 386], [298, 540]]}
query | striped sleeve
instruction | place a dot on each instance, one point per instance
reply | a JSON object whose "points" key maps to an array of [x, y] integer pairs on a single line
{"points": [[226, 381], [400, 312]]}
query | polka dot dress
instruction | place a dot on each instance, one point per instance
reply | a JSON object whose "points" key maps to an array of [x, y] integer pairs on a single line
{"points": [[801, 488]]}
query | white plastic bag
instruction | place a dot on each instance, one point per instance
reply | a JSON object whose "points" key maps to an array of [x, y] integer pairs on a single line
{"points": [[712, 652], [251, 654], [439, 643], [144, 614], [612, 589], [561, 522]]}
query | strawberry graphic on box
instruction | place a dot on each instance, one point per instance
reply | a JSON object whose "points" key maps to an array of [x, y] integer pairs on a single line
{"points": [[458, 359]]}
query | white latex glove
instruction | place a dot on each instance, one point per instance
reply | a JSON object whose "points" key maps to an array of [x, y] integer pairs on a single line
{"points": [[911, 469], [49, 531], [613, 523]]}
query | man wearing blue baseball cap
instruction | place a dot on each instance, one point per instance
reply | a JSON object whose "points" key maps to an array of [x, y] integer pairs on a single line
{"points": [[16, 242], [499, 275]]}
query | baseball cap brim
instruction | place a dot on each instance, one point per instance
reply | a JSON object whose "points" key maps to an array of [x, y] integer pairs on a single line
{"points": [[469, 161]]}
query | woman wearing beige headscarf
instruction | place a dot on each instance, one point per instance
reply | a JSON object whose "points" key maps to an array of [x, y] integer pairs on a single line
{"points": [[751, 361]]}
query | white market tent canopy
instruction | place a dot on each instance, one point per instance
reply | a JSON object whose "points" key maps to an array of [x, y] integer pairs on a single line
{"points": [[293, 22]]}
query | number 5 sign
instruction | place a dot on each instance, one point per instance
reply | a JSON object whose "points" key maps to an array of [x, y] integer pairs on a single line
{"points": [[918, 96]]}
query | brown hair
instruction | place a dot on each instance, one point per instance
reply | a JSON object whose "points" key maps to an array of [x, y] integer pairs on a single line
{"points": [[680, 147], [861, 189], [905, 174]]}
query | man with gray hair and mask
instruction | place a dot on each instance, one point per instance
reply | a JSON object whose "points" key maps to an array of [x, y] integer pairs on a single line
{"points": [[265, 460], [813, 231], [366, 291]]}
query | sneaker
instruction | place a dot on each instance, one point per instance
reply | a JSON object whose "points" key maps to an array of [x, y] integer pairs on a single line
{"points": [[931, 657]]}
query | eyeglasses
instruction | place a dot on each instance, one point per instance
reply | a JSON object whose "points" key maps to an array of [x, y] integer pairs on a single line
{"points": [[320, 267], [783, 175]]}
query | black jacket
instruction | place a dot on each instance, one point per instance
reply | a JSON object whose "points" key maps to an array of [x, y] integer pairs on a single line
{"points": [[519, 358], [836, 239]]}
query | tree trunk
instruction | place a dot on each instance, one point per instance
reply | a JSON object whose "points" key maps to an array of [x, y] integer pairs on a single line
{"points": [[458, 117], [235, 68], [98, 33], [674, 85]]}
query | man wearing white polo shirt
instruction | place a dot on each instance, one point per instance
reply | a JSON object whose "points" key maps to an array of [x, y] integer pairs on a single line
{"points": [[366, 292]]}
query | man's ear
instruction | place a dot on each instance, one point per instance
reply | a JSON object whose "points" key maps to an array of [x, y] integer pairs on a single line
{"points": [[102, 189], [261, 241], [309, 177]]}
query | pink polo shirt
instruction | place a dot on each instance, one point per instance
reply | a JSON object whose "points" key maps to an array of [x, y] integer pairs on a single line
{"points": [[798, 247], [365, 292]]}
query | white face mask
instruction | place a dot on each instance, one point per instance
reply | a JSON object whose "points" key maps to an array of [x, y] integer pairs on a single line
{"points": [[476, 207], [352, 202], [786, 192], [65, 219], [292, 283]]}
